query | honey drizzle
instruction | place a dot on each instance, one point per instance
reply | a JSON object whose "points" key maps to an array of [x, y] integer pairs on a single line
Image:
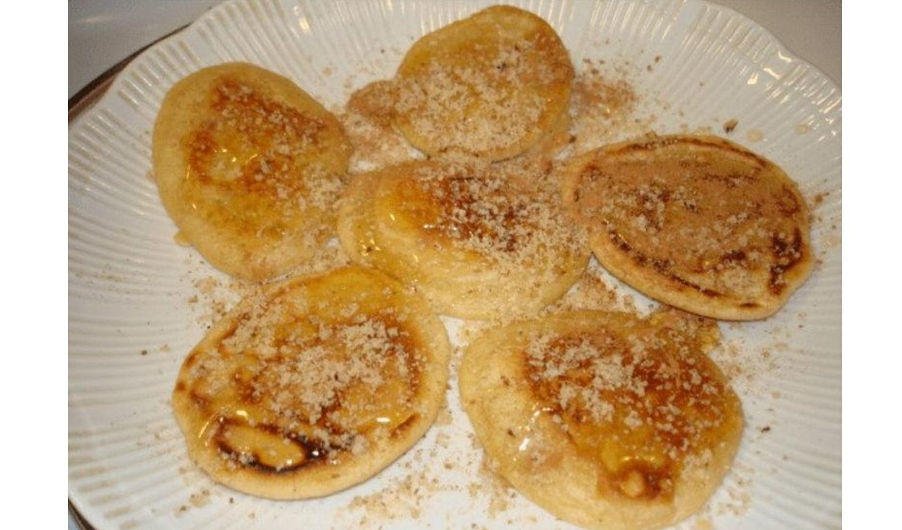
{"points": [[656, 402], [252, 143], [246, 399]]}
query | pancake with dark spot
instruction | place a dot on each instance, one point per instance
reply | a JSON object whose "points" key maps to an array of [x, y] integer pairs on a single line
{"points": [[696, 222], [314, 385]]}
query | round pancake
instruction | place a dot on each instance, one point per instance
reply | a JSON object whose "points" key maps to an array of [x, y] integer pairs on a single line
{"points": [[313, 386], [491, 85], [605, 420], [249, 167], [477, 240], [696, 222]]}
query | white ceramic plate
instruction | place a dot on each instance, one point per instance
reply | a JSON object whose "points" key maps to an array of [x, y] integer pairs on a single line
{"points": [[131, 322]]}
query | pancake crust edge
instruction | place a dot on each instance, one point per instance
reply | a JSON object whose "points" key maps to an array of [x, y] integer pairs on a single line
{"points": [[491, 85], [314, 386], [609, 473], [696, 222], [248, 166]]}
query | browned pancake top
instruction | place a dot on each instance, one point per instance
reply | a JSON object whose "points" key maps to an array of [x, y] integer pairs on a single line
{"points": [[502, 212], [489, 85], [703, 213], [251, 143]]}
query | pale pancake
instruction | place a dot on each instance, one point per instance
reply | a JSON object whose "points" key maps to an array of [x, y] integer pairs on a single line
{"points": [[477, 240], [491, 85], [696, 222], [368, 121], [248, 166], [605, 420], [313, 386]]}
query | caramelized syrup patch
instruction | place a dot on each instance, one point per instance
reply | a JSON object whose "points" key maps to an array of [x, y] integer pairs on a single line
{"points": [[474, 210], [637, 404], [266, 448], [283, 391], [252, 143], [498, 211], [787, 252]]}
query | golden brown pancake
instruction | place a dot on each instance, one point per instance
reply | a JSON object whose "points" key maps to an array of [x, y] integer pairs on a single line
{"points": [[603, 419], [696, 222], [313, 386], [248, 166], [491, 85], [477, 240]]}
